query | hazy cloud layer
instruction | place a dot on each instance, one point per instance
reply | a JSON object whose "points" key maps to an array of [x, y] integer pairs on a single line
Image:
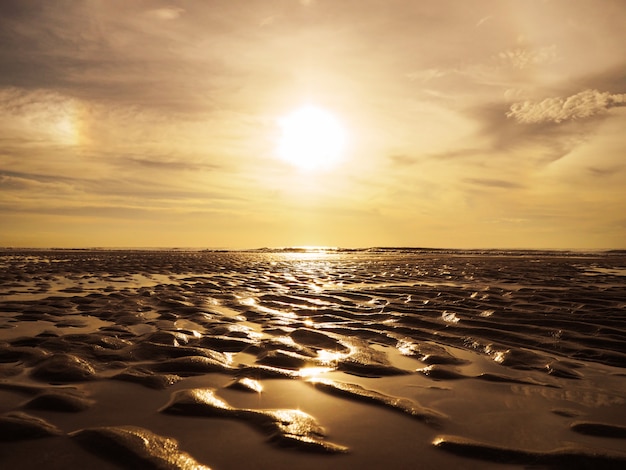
{"points": [[463, 117]]}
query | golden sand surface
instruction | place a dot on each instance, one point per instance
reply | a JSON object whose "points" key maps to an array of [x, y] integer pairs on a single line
{"points": [[309, 360]]}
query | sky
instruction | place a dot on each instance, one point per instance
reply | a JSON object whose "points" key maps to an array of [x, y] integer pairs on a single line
{"points": [[482, 124]]}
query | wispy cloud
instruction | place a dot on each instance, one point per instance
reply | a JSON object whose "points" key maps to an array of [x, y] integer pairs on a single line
{"points": [[17, 182], [167, 13], [582, 105], [522, 58], [494, 183]]}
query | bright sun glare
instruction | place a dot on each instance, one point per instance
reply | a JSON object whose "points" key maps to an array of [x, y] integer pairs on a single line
{"points": [[311, 139]]}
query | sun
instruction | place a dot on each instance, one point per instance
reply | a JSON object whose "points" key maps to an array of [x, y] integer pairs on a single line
{"points": [[311, 139]]}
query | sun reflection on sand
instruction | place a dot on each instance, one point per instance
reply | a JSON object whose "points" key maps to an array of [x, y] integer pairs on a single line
{"points": [[252, 302], [331, 357], [247, 383], [311, 372]]}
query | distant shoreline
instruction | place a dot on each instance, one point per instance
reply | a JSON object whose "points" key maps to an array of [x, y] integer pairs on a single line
{"points": [[338, 250]]}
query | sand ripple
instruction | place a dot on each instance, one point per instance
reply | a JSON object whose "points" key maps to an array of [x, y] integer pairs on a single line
{"points": [[135, 447], [558, 458], [18, 425], [357, 392], [286, 427]]}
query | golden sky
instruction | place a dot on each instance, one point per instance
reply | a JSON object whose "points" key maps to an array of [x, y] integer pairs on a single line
{"points": [[482, 124]]}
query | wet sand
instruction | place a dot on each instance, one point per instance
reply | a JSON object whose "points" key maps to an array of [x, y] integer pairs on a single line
{"points": [[361, 360]]}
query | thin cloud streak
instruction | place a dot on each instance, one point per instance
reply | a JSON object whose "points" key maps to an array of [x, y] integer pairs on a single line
{"points": [[494, 183]]}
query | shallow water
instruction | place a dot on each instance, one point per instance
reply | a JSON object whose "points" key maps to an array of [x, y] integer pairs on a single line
{"points": [[407, 359]]}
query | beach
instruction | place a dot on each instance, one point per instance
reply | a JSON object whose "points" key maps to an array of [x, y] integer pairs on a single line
{"points": [[309, 359]]}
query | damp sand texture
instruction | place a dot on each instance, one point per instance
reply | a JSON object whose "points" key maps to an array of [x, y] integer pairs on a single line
{"points": [[308, 360]]}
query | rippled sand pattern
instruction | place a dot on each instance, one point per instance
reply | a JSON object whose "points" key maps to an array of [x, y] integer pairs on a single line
{"points": [[309, 360]]}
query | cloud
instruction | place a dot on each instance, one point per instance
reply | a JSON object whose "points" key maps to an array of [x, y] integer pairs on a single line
{"points": [[494, 183], [426, 75], [605, 172], [522, 58], [582, 105], [165, 162], [403, 160], [119, 52], [483, 20], [170, 13], [18, 182]]}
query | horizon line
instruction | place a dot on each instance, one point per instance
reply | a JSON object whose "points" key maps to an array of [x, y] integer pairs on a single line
{"points": [[313, 249]]}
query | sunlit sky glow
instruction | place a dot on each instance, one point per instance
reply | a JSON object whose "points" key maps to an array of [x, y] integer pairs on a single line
{"points": [[489, 123], [311, 139]]}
